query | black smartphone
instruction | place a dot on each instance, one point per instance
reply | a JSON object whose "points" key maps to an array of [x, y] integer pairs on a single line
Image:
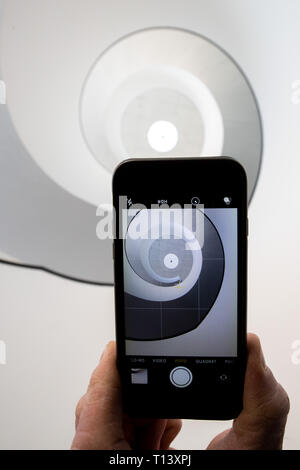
{"points": [[180, 264]]}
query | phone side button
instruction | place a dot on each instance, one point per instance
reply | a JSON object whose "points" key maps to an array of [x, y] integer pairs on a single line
{"points": [[181, 377]]}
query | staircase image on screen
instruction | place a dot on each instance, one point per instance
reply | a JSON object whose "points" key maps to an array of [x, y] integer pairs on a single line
{"points": [[170, 283]]}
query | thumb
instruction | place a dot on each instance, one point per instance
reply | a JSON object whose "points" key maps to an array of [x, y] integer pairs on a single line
{"points": [[261, 424], [100, 425]]}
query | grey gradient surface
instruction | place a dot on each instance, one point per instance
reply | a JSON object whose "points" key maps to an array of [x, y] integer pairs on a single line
{"points": [[43, 224]]}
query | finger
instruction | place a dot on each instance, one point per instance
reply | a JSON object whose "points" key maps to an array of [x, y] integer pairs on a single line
{"points": [[148, 433], [172, 429], [222, 441], [100, 423], [154, 434], [265, 402], [78, 410]]}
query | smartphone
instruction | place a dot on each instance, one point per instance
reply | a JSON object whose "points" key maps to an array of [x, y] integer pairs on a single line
{"points": [[180, 264]]}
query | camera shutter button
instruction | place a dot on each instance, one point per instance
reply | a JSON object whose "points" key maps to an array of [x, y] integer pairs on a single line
{"points": [[181, 377]]}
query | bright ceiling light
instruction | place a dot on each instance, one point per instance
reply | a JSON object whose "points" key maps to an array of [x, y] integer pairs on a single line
{"points": [[162, 136]]}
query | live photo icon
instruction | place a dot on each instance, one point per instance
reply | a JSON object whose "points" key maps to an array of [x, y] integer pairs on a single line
{"points": [[227, 200]]}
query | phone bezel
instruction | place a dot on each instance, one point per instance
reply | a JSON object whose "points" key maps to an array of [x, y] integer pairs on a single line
{"points": [[215, 176]]}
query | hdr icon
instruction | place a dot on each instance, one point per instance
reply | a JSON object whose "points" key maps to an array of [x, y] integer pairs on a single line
{"points": [[2, 353]]}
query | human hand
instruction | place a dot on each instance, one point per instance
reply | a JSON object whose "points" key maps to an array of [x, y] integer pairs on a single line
{"points": [[261, 424], [101, 424]]}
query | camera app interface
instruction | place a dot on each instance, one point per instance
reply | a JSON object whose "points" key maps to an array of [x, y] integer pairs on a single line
{"points": [[180, 292]]}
